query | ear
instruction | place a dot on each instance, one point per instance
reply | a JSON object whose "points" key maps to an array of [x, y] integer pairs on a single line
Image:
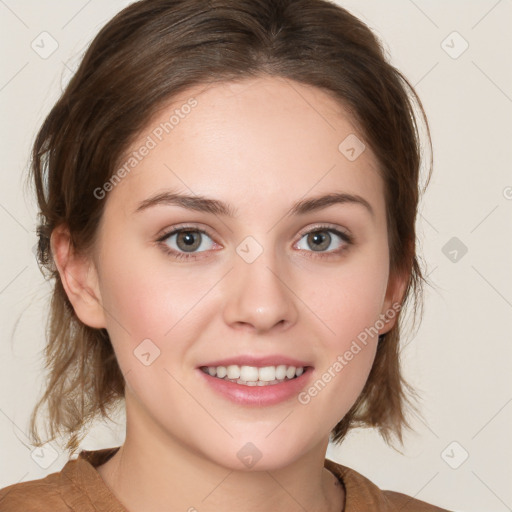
{"points": [[395, 292], [79, 279]]}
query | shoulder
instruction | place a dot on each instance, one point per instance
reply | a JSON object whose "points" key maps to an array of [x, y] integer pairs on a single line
{"points": [[76, 487], [361, 494], [34, 496]]}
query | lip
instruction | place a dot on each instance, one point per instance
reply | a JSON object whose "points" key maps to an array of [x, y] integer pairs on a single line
{"points": [[259, 362], [258, 396]]}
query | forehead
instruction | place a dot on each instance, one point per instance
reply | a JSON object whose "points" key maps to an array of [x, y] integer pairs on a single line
{"points": [[257, 139]]}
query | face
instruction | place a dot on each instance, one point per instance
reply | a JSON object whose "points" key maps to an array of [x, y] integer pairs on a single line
{"points": [[253, 277]]}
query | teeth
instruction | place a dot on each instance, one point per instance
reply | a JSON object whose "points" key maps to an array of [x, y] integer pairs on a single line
{"points": [[290, 372], [254, 376], [233, 371], [280, 371], [249, 373]]}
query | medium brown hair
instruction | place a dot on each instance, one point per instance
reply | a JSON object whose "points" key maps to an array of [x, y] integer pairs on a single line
{"points": [[147, 54]]}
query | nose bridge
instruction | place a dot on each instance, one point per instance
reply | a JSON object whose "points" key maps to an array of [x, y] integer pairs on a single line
{"points": [[259, 296]]}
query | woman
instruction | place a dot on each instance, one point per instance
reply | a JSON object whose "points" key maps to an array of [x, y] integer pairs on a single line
{"points": [[227, 193]]}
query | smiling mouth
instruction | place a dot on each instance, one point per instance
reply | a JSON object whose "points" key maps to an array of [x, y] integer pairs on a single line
{"points": [[255, 376]]}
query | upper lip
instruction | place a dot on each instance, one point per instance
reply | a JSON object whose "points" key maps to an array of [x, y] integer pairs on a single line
{"points": [[258, 361]]}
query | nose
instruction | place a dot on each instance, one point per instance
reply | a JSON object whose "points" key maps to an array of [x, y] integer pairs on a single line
{"points": [[260, 295]]}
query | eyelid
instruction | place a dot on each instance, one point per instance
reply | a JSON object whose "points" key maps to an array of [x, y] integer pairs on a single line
{"points": [[327, 227], [167, 232]]}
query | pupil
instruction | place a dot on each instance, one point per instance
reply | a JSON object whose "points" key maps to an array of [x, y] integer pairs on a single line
{"points": [[187, 237], [318, 238]]}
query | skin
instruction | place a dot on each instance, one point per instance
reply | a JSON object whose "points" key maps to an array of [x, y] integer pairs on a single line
{"points": [[260, 145]]}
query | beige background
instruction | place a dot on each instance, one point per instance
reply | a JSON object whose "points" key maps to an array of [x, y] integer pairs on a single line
{"points": [[460, 358]]}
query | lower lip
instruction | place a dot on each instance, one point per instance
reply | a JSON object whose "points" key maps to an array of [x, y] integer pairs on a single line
{"points": [[259, 395]]}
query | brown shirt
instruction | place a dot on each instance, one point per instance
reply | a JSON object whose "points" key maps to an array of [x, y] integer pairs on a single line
{"points": [[79, 487]]}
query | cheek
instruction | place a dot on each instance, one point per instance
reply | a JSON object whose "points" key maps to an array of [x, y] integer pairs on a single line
{"points": [[349, 314], [150, 329], [151, 300], [140, 289], [348, 302], [349, 299]]}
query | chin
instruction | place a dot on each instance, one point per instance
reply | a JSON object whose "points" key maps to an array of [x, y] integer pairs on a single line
{"points": [[257, 453]]}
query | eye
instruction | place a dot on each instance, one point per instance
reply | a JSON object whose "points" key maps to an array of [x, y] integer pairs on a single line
{"points": [[320, 238], [184, 240]]}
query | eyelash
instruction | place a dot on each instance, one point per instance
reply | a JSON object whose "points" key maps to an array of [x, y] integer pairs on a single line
{"points": [[348, 239]]}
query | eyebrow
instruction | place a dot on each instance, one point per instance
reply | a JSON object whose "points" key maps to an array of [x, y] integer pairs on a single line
{"points": [[207, 205]]}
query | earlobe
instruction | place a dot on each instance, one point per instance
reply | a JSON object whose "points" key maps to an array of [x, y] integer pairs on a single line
{"points": [[79, 279]]}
